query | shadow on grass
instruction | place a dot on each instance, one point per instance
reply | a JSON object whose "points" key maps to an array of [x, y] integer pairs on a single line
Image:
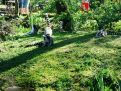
{"points": [[28, 36], [23, 58], [105, 39], [40, 35]]}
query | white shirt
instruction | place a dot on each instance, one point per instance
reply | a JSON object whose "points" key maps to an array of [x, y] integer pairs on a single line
{"points": [[48, 31]]}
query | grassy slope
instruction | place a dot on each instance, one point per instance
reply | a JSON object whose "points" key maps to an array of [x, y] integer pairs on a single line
{"points": [[70, 63]]}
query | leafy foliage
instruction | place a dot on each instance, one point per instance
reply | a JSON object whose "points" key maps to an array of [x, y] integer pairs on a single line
{"points": [[116, 26], [6, 28], [78, 61]]}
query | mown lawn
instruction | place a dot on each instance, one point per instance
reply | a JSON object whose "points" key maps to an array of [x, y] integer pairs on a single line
{"points": [[70, 65]]}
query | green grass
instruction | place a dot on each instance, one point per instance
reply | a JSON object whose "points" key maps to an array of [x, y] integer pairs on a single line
{"points": [[71, 64]]}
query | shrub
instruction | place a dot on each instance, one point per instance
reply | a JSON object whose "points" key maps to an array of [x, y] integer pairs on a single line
{"points": [[90, 25], [116, 26], [6, 29], [107, 13], [84, 21]]}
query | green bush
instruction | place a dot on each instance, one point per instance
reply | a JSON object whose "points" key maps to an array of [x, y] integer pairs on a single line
{"points": [[6, 29], [117, 26], [89, 25], [106, 14], [84, 21]]}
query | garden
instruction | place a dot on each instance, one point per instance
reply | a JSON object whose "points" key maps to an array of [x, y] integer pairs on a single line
{"points": [[81, 53]]}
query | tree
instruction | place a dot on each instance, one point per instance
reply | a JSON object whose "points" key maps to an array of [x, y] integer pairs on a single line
{"points": [[63, 9], [17, 7]]}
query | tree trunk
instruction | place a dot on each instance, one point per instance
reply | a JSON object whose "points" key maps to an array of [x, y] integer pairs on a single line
{"points": [[67, 19], [60, 6], [17, 7]]}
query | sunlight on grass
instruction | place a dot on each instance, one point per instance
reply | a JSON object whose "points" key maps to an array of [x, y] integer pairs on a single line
{"points": [[63, 64]]}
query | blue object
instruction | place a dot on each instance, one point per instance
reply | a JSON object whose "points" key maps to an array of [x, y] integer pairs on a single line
{"points": [[23, 3]]}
